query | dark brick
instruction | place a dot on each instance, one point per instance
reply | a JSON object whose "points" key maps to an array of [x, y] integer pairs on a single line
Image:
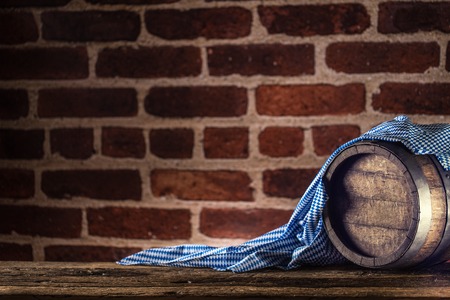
{"points": [[72, 143], [85, 103], [152, 62], [123, 142], [21, 144], [229, 142], [410, 17], [91, 25], [328, 138], [281, 141], [44, 63], [32, 3], [17, 28], [307, 100], [15, 252], [238, 223], [140, 223], [447, 55], [413, 98], [310, 20], [87, 253], [134, 2], [211, 23], [13, 104], [269, 59], [16, 183], [96, 184], [198, 101], [359, 57], [287, 183], [202, 185], [40, 221], [172, 143]]}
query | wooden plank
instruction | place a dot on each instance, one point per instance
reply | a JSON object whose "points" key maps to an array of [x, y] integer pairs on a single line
{"points": [[43, 280]]}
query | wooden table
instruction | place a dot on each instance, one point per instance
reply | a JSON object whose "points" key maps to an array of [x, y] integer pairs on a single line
{"points": [[47, 280]]}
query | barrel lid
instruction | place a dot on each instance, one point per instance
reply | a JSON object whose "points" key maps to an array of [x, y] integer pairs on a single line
{"points": [[372, 214]]}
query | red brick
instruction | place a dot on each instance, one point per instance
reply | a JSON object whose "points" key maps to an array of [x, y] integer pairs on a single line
{"points": [[87, 253], [144, 62], [15, 252], [72, 143], [140, 223], [328, 138], [85, 103], [40, 221], [413, 98], [123, 142], [237, 223], [32, 3], [129, 2], [96, 184], [230, 142], [91, 25], [359, 57], [16, 183], [17, 28], [308, 100], [210, 23], [197, 101], [44, 63], [172, 143], [13, 104], [287, 183], [310, 20], [269, 59], [410, 17], [202, 185], [21, 144], [281, 141]]}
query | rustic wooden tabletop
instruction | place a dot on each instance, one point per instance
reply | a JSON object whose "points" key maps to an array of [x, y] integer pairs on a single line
{"points": [[51, 280]]}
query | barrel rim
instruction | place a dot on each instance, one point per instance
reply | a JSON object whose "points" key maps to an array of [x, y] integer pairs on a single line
{"points": [[442, 251], [421, 222]]}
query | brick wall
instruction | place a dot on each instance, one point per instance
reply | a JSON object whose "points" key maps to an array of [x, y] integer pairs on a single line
{"points": [[133, 124]]}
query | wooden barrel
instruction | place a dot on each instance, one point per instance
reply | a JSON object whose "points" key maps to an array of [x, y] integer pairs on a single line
{"points": [[387, 207]]}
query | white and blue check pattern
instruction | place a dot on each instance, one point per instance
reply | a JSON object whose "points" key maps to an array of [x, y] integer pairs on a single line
{"points": [[303, 239]]}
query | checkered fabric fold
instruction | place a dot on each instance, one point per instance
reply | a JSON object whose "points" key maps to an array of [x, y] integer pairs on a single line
{"points": [[303, 239]]}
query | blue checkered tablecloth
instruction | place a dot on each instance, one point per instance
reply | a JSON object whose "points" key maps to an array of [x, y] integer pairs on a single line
{"points": [[303, 239]]}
